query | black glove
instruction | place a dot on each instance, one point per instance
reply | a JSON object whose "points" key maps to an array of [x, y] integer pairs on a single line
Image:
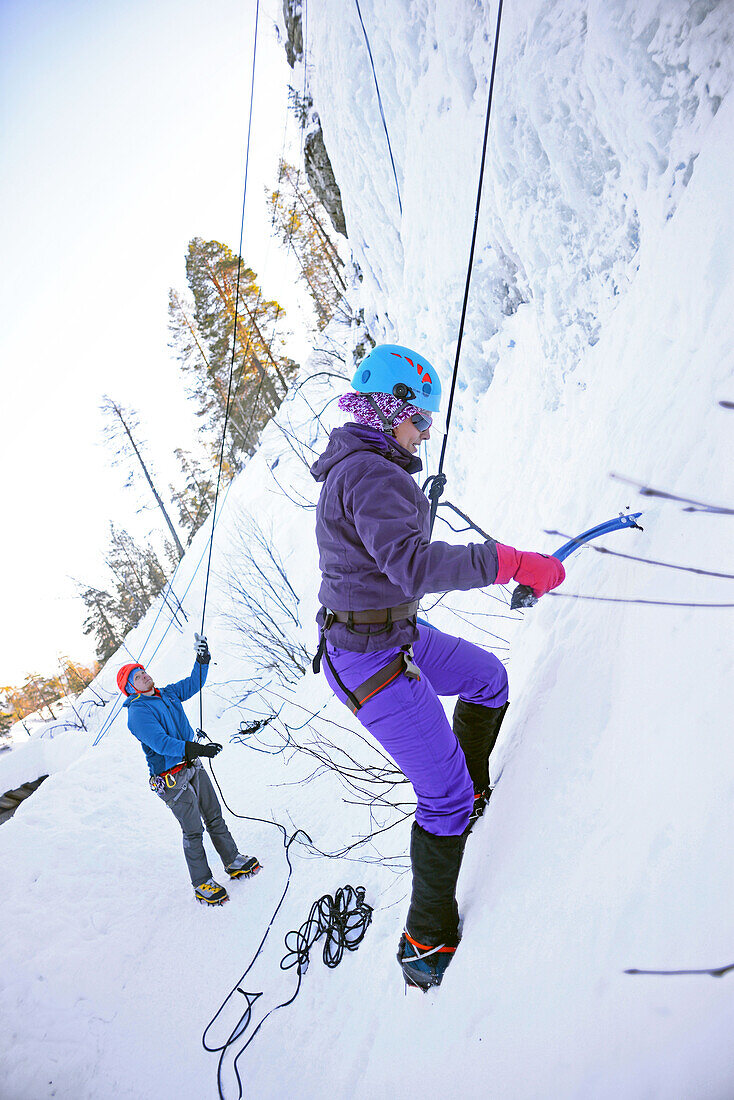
{"points": [[194, 749], [203, 656]]}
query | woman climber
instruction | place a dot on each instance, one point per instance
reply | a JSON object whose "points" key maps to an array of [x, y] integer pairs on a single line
{"points": [[157, 719], [376, 560]]}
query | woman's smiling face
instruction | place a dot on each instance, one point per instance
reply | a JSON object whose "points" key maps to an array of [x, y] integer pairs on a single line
{"points": [[410, 436]]}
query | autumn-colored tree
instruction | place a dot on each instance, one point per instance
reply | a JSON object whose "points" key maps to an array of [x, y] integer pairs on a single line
{"points": [[75, 676], [300, 221], [202, 326], [41, 693], [36, 693]]}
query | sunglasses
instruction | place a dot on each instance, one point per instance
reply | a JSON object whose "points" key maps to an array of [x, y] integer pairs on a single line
{"points": [[421, 421]]}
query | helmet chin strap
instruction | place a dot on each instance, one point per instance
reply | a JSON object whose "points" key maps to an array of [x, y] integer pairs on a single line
{"points": [[388, 421]]}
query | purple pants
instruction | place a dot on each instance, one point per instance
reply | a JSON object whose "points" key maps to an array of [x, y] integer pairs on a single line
{"points": [[411, 725]]}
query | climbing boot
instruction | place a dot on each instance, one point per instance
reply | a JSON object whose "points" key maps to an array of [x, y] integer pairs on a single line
{"points": [[476, 728], [481, 798], [211, 893], [243, 867], [423, 966]]}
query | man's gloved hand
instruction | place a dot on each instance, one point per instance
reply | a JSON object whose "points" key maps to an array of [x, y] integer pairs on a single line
{"points": [[194, 749], [540, 572], [203, 656]]}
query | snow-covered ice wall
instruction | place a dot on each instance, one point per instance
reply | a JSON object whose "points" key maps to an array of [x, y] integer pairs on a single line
{"points": [[598, 341], [599, 112]]}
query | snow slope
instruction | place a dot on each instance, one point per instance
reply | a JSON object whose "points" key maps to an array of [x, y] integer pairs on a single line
{"points": [[598, 341]]}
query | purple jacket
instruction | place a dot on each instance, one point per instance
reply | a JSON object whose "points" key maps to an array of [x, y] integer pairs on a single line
{"points": [[372, 529]]}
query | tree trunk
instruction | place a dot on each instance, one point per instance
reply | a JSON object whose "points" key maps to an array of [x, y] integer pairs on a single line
{"points": [[149, 479]]}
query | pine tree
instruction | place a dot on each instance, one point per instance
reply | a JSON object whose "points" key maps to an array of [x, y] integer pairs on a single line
{"points": [[301, 222], [123, 431], [196, 499], [138, 577], [8, 715], [203, 332], [102, 621]]}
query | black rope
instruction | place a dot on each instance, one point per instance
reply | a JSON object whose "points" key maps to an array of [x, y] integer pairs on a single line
{"points": [[342, 920], [379, 101], [471, 525], [247, 817], [439, 479], [243, 1022]]}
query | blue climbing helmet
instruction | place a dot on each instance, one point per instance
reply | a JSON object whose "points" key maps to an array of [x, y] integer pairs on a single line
{"points": [[390, 368]]}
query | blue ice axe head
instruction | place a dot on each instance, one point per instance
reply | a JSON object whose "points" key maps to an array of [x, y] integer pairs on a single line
{"points": [[523, 595]]}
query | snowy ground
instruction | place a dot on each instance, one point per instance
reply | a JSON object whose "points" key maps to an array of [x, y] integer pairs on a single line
{"points": [[598, 341]]}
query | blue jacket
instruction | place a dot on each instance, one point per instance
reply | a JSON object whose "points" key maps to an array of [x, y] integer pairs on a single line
{"points": [[159, 723], [373, 533]]}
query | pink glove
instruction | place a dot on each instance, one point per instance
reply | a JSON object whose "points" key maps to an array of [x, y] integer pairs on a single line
{"points": [[541, 572]]}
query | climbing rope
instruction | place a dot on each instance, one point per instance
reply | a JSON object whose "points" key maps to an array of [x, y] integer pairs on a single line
{"points": [[379, 102], [117, 705], [234, 349], [343, 920], [438, 480], [236, 314]]}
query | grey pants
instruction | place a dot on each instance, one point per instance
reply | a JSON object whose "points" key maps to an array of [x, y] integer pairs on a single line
{"points": [[194, 804]]}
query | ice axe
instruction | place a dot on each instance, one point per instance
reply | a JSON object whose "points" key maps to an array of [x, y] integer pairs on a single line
{"points": [[523, 595]]}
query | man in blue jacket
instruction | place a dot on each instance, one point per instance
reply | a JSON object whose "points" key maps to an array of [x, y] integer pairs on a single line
{"points": [[156, 717]]}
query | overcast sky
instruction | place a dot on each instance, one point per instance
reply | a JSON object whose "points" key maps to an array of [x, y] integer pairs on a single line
{"points": [[123, 129]]}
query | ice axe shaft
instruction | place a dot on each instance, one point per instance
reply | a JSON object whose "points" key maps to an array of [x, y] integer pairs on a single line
{"points": [[523, 595]]}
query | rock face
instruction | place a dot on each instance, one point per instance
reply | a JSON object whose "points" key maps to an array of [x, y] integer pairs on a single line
{"points": [[321, 177], [294, 43], [319, 172]]}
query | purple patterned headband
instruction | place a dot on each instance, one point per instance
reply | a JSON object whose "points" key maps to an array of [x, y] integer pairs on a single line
{"points": [[359, 408]]}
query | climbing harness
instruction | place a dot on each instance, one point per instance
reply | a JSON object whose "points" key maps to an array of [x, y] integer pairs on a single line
{"points": [[168, 775], [523, 596], [404, 662], [167, 781]]}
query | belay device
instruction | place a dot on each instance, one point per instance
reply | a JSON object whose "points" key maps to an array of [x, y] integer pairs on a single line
{"points": [[523, 595]]}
